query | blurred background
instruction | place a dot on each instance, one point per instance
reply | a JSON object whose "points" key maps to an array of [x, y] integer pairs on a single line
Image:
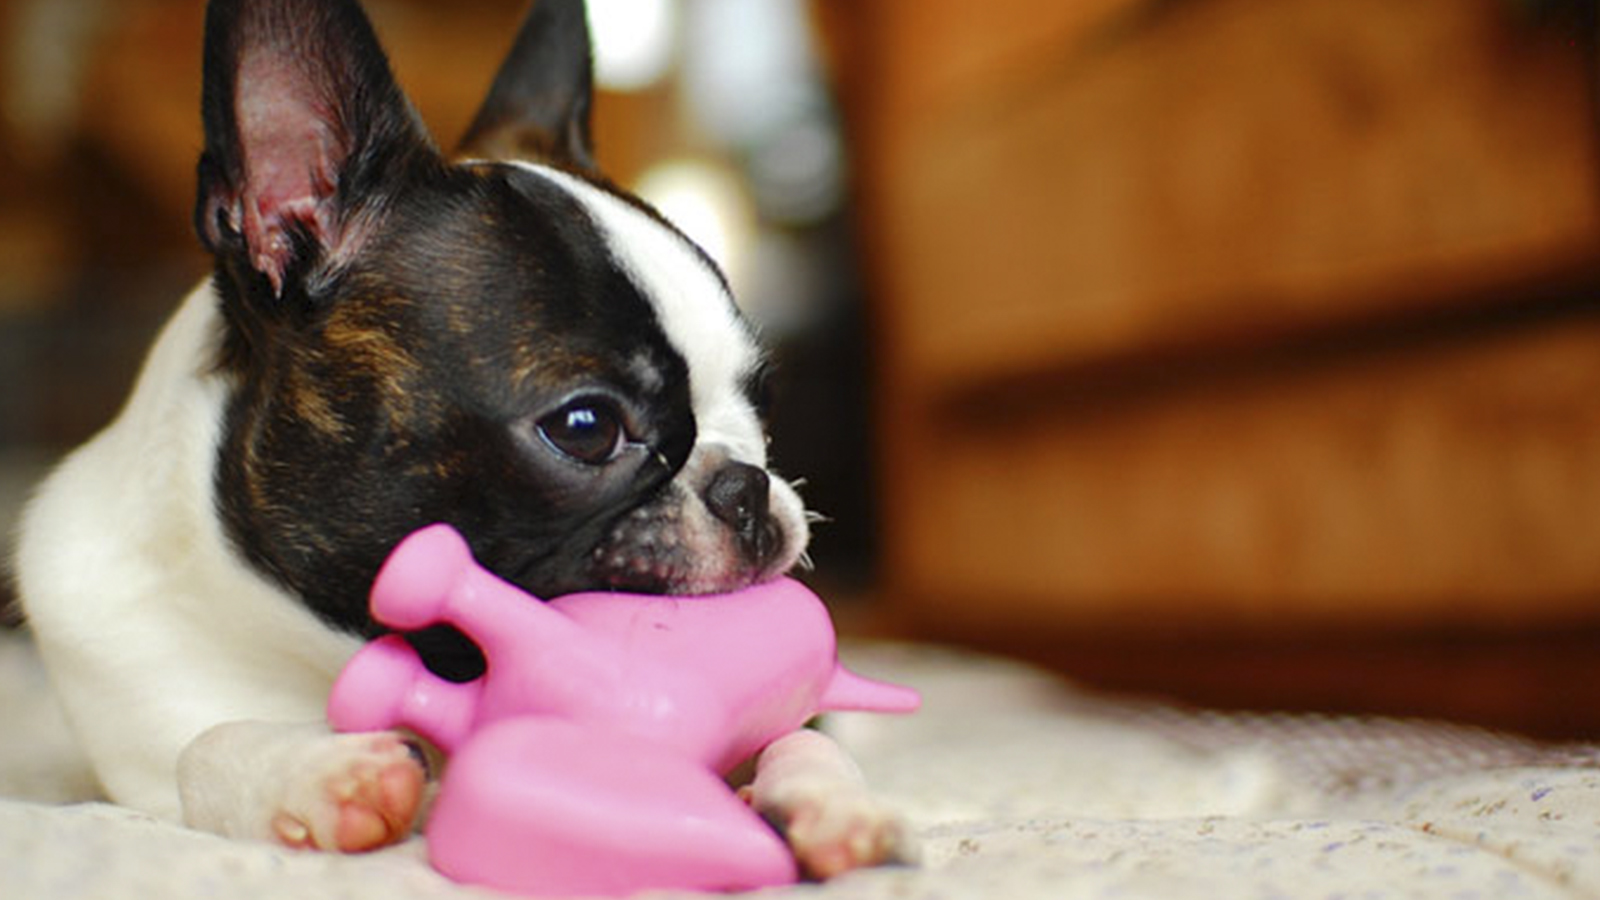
{"points": [[1246, 352]]}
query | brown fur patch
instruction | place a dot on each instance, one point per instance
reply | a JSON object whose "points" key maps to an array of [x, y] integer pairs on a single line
{"points": [[358, 336], [312, 406]]}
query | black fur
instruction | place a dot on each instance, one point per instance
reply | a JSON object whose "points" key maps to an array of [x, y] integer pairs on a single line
{"points": [[410, 363], [395, 377], [547, 82]]}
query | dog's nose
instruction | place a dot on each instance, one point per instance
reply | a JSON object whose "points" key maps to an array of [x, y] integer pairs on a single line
{"points": [[738, 496]]}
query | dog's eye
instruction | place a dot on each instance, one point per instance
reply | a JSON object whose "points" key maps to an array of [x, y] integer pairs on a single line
{"points": [[588, 430]]}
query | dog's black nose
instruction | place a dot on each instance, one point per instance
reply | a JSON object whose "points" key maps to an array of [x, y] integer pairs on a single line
{"points": [[738, 496]]}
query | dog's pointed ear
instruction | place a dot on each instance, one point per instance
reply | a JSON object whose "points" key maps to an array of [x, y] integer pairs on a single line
{"points": [[304, 127], [538, 106]]}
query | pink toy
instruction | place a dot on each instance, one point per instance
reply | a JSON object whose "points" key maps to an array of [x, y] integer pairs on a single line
{"points": [[588, 758]]}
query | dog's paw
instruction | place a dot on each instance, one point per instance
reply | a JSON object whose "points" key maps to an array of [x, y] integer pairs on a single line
{"points": [[835, 831], [360, 792]]}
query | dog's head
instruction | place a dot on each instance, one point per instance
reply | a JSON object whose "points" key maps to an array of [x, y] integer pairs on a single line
{"points": [[500, 339]]}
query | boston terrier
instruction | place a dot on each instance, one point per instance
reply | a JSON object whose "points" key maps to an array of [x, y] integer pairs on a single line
{"points": [[498, 338]]}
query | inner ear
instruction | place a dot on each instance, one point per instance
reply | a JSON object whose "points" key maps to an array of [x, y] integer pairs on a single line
{"points": [[294, 155], [539, 104], [305, 127]]}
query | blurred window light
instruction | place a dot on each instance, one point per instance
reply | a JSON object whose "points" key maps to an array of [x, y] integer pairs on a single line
{"points": [[798, 174], [753, 82], [634, 41], [748, 66]]}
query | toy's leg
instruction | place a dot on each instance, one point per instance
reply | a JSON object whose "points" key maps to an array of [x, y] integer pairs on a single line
{"points": [[386, 686], [813, 793], [301, 785]]}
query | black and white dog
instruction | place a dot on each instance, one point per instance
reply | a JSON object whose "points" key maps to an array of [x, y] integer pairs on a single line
{"points": [[501, 340]]}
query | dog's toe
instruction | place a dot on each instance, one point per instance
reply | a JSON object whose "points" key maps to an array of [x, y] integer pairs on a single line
{"points": [[834, 833], [377, 804], [365, 793], [361, 827]]}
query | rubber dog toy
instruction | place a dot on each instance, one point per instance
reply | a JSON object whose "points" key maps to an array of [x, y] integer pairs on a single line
{"points": [[588, 759]]}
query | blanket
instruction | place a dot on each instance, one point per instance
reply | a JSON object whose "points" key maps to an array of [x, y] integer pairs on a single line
{"points": [[1018, 785]]}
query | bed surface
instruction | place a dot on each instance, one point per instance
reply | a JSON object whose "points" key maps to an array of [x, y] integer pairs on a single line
{"points": [[1018, 785]]}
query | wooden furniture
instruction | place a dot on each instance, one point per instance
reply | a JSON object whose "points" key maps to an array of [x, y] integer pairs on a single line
{"points": [[1240, 324]]}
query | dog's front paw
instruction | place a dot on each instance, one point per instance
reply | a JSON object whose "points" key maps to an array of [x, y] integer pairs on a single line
{"points": [[833, 831], [363, 791], [302, 785], [810, 791]]}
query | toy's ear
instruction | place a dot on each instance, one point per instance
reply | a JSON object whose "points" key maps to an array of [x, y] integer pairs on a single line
{"points": [[305, 132], [538, 106]]}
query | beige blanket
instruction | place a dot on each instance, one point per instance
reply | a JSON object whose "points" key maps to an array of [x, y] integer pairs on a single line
{"points": [[1019, 787]]}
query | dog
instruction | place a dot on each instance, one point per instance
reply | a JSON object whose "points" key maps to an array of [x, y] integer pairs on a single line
{"points": [[498, 338]]}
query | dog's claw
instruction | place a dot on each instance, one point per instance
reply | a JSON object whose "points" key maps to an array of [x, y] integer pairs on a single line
{"points": [[291, 832]]}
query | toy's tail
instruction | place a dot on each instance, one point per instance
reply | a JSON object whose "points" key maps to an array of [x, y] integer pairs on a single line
{"points": [[848, 691]]}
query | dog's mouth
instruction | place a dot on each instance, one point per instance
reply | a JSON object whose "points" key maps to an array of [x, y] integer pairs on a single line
{"points": [[644, 552], [679, 545], [676, 543]]}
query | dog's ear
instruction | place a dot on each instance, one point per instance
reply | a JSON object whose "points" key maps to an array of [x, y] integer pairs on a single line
{"points": [[305, 127], [538, 107]]}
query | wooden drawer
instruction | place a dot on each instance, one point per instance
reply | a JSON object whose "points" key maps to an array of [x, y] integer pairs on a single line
{"points": [[1454, 481]]}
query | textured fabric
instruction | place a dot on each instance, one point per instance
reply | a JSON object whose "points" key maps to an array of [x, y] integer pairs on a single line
{"points": [[1018, 785]]}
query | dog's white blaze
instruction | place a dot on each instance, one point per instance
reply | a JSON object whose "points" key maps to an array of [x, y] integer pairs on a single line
{"points": [[694, 310]]}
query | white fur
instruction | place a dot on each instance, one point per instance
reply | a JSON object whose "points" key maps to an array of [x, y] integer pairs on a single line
{"points": [[153, 630]]}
